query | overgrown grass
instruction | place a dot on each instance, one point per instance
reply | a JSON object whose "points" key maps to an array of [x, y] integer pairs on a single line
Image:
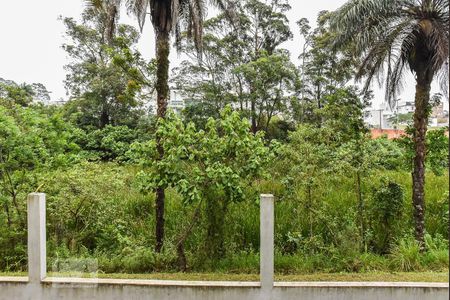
{"points": [[406, 258], [114, 228], [130, 249]]}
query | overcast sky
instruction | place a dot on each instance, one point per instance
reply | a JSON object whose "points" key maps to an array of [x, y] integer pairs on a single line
{"points": [[31, 37]]}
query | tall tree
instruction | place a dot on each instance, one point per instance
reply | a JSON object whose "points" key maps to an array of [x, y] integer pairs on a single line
{"points": [[105, 92], [168, 17], [209, 84], [270, 81], [323, 69], [263, 26], [390, 35], [253, 38], [210, 168]]}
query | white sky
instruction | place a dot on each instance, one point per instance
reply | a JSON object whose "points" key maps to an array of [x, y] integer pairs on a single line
{"points": [[31, 38]]}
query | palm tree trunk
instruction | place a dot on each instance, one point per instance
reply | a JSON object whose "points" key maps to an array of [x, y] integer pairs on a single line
{"points": [[162, 90], [423, 86], [110, 26]]}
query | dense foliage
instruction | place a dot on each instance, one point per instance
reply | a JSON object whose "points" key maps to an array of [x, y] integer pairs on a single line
{"points": [[254, 123], [99, 205]]}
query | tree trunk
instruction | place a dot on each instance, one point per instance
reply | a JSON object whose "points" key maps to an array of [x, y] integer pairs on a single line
{"points": [[104, 117], [162, 90], [310, 213], [362, 230], [110, 26], [182, 261], [448, 157], [215, 215], [8, 216], [16, 205], [423, 86], [253, 118]]}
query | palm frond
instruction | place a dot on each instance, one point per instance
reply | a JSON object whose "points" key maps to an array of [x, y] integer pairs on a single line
{"points": [[443, 79], [363, 18], [394, 84], [176, 16], [391, 34], [97, 4], [387, 53], [438, 41], [108, 12], [139, 9]]}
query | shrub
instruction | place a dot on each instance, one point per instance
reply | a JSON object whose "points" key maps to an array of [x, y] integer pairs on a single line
{"points": [[386, 211]]}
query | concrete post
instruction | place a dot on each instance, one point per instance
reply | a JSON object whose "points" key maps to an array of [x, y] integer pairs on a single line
{"points": [[37, 256], [267, 245]]}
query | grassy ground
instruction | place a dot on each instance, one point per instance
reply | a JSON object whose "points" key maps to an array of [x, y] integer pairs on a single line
{"points": [[375, 276]]}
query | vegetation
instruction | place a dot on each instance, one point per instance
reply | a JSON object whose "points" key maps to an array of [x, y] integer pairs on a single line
{"points": [[131, 192], [168, 17], [405, 33]]}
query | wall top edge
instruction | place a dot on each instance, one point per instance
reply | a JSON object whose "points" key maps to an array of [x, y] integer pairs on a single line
{"points": [[225, 284]]}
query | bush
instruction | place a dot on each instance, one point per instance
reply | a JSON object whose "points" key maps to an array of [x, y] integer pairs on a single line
{"points": [[386, 154], [386, 209], [110, 143]]}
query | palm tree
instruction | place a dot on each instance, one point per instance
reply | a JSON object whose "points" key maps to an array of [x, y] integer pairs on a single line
{"points": [[388, 36], [169, 17]]}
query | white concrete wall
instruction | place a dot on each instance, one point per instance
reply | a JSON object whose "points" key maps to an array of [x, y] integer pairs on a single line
{"points": [[82, 289], [39, 287]]}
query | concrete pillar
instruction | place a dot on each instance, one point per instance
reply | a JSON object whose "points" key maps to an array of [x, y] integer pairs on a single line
{"points": [[267, 245], [37, 254]]}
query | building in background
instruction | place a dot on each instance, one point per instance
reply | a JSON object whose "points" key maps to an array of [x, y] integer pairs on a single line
{"points": [[405, 107], [401, 115], [439, 116], [380, 118], [176, 102]]}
